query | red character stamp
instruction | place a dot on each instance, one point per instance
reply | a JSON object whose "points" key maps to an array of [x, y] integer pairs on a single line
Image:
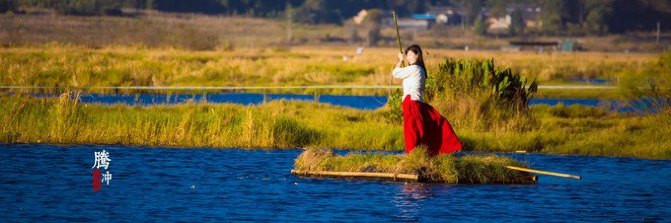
{"points": [[102, 160]]}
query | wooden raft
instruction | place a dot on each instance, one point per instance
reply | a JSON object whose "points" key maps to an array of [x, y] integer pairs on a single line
{"points": [[386, 176], [415, 177], [380, 176]]}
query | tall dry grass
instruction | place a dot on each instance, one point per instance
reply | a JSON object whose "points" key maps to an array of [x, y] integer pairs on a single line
{"points": [[281, 124], [156, 29], [57, 65], [278, 124]]}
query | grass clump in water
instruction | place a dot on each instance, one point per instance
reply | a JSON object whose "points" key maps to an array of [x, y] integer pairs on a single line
{"points": [[288, 132], [470, 169]]}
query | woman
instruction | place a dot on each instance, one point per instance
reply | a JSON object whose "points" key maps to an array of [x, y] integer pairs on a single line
{"points": [[422, 124]]}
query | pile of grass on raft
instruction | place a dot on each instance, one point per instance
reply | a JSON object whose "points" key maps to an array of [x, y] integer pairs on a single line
{"points": [[469, 169]]}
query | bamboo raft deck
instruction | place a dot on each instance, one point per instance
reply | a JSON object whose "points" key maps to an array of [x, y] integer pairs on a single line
{"points": [[415, 167], [385, 176], [368, 175]]}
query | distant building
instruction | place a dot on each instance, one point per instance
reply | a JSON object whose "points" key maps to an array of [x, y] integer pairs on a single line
{"points": [[569, 45], [530, 15], [446, 15], [534, 45], [566, 45], [442, 15], [436, 15], [424, 16], [414, 24], [449, 15], [499, 23], [359, 18], [418, 22]]}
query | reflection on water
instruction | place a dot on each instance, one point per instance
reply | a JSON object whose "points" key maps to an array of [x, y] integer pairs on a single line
{"points": [[416, 191], [409, 200]]}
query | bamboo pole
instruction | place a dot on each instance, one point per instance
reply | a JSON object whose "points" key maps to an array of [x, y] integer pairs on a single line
{"points": [[400, 48], [544, 172], [401, 176], [398, 35]]}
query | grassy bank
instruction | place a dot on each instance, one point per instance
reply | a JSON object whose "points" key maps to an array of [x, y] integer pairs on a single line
{"points": [[443, 169], [584, 131], [277, 124], [58, 65], [280, 124]]}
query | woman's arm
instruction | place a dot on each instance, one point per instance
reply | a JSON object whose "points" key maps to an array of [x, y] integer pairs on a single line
{"points": [[401, 72], [405, 72], [398, 65]]}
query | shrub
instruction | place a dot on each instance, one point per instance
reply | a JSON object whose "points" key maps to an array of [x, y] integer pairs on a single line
{"points": [[288, 132], [653, 81], [395, 112], [88, 7], [480, 77], [477, 94], [8, 6]]}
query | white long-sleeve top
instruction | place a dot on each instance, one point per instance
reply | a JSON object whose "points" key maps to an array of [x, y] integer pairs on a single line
{"points": [[413, 77]]}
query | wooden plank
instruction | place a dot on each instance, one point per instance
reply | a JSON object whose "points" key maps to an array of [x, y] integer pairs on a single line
{"points": [[384, 176], [544, 172], [398, 35], [391, 176]]}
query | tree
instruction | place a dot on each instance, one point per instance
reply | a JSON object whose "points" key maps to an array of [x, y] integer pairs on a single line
{"points": [[472, 9], [498, 8], [641, 15], [312, 11], [88, 7], [557, 16], [480, 27], [551, 16], [202, 6], [372, 22], [598, 12], [516, 23], [8, 5], [415, 6]]}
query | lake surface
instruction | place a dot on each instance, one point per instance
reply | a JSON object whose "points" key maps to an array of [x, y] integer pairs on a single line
{"points": [[590, 80], [639, 106], [358, 102], [54, 183]]}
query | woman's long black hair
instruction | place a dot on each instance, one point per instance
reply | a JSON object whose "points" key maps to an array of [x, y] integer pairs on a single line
{"points": [[420, 58]]}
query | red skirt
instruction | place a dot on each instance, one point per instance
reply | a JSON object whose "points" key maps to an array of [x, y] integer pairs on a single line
{"points": [[423, 125]]}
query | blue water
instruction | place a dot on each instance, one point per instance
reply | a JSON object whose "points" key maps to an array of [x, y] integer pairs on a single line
{"points": [[45, 182], [643, 105], [590, 80], [358, 102]]}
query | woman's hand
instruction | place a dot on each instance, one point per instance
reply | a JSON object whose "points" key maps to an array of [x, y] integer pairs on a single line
{"points": [[400, 60]]}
